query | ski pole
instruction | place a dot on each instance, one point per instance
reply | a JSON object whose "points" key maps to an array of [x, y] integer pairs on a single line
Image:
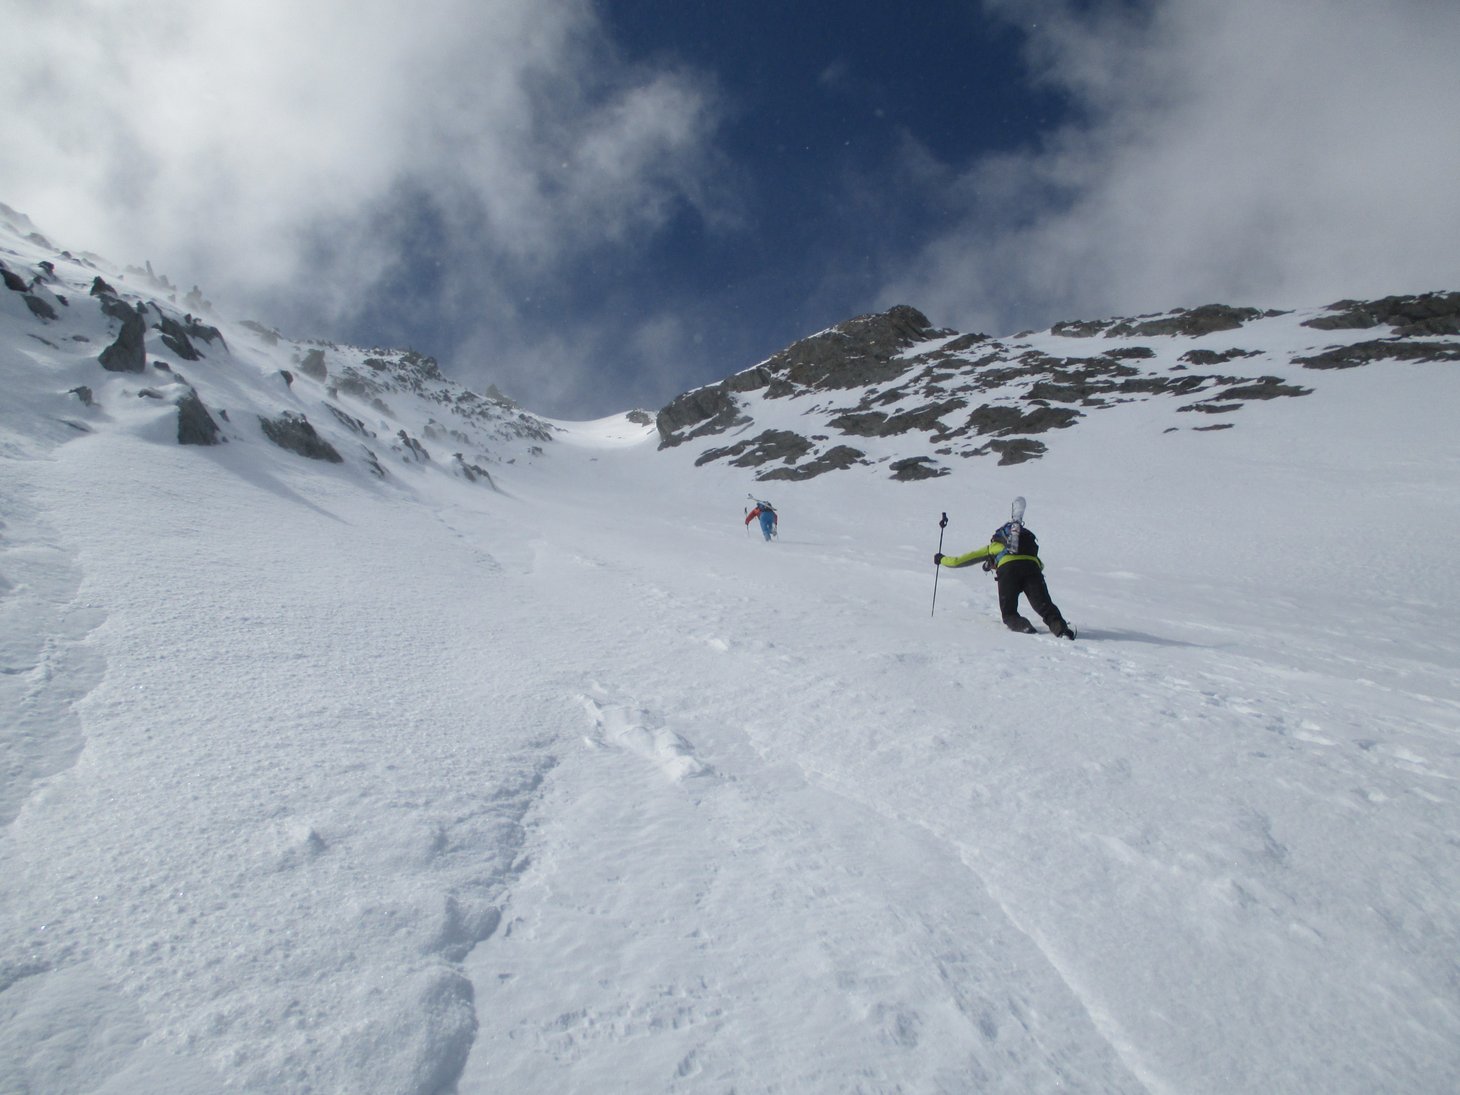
{"points": [[941, 526]]}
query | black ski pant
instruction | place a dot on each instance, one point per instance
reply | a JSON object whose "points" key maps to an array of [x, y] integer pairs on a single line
{"points": [[1024, 576]]}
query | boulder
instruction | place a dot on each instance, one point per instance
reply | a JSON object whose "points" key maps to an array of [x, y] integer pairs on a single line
{"points": [[195, 426], [294, 432], [128, 354]]}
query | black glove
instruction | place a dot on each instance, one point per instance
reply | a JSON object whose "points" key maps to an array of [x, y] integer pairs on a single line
{"points": [[938, 559]]}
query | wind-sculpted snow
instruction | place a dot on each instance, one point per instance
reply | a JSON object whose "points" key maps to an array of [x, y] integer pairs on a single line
{"points": [[625, 727], [359, 777]]}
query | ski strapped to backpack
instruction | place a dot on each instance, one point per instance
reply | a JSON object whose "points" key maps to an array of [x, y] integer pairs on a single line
{"points": [[1011, 531]]}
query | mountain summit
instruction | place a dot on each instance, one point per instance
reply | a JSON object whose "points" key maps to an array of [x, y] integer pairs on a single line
{"points": [[889, 389]]}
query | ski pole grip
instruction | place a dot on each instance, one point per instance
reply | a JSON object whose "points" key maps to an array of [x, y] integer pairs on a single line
{"points": [[943, 523]]}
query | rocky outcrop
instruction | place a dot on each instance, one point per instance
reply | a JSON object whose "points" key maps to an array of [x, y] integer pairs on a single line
{"points": [[1363, 353], [293, 431], [128, 354], [769, 445], [835, 459], [178, 335], [1183, 322], [195, 426], [313, 366], [973, 396], [916, 467], [707, 410], [1411, 316], [863, 351]]}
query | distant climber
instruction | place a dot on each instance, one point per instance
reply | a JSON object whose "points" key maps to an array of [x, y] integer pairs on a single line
{"points": [[1012, 554], [769, 519]]}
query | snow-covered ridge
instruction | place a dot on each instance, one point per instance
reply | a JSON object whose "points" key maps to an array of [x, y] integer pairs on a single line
{"points": [[124, 348], [888, 391]]}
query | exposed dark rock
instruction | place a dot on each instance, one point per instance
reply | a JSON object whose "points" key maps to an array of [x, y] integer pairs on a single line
{"points": [[40, 308], [1028, 391], [175, 337], [1205, 320], [13, 281], [1189, 322], [99, 287], [1215, 357], [835, 459], [709, 410], [128, 354], [118, 309], [407, 368], [313, 366], [767, 446], [84, 394], [1264, 387], [916, 467], [1014, 451], [878, 424], [1079, 328], [414, 449], [962, 343], [855, 354], [1411, 316], [860, 423], [195, 426], [1004, 419], [197, 329], [472, 473], [1362, 353], [350, 422], [294, 432]]}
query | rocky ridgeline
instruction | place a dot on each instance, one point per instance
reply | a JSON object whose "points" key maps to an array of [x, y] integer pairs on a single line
{"points": [[939, 395], [338, 404]]}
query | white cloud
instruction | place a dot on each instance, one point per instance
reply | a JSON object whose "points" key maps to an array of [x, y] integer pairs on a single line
{"points": [[1245, 151], [276, 149]]}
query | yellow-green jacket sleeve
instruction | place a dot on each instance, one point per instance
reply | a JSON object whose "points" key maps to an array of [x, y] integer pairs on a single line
{"points": [[975, 556]]}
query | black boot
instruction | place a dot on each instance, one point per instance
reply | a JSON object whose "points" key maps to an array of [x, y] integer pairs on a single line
{"points": [[1019, 624]]}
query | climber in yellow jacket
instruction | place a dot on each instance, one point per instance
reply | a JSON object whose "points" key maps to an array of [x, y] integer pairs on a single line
{"points": [[1012, 554]]}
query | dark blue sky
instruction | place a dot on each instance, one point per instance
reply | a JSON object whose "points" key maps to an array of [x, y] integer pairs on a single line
{"points": [[823, 106], [837, 132]]}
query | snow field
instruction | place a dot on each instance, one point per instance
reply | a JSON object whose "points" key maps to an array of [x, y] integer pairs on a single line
{"points": [[321, 783]]}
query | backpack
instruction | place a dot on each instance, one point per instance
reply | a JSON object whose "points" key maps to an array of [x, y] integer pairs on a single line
{"points": [[1028, 543]]}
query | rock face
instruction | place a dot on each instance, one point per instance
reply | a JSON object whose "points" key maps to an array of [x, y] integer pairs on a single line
{"points": [[128, 354], [1427, 314], [313, 366], [891, 390], [863, 351], [293, 432], [195, 426]]}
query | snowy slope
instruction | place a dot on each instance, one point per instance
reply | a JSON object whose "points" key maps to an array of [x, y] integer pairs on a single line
{"points": [[322, 781]]}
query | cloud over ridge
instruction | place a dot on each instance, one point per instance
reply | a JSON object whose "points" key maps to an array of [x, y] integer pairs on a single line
{"points": [[1245, 151]]}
